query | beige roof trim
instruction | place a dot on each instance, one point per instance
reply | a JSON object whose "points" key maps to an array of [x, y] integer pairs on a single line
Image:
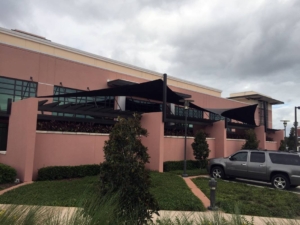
{"points": [[255, 96]]}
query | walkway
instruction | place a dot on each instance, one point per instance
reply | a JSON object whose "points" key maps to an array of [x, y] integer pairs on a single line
{"points": [[15, 186], [199, 194]]}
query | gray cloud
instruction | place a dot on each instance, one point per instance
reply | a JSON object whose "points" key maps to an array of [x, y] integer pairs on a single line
{"points": [[12, 13], [230, 45]]}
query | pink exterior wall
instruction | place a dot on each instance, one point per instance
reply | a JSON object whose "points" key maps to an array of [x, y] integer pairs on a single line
{"points": [[261, 136], [50, 70], [271, 145], [174, 148], [58, 149], [21, 138], [233, 145], [218, 132], [277, 137], [155, 140]]}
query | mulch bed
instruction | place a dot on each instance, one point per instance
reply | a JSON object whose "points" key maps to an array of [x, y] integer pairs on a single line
{"points": [[4, 186]]}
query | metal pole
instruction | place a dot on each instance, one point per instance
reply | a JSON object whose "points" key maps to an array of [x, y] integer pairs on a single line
{"points": [[164, 98], [296, 138], [185, 133], [284, 132]]}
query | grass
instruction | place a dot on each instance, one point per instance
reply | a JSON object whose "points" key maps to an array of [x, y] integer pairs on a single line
{"points": [[170, 191], [252, 200]]}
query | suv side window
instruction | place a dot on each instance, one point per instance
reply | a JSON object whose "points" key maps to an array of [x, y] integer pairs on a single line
{"points": [[257, 157], [241, 156], [285, 159]]}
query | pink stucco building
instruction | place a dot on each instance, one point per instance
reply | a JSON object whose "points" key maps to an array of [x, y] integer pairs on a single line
{"points": [[32, 66]]}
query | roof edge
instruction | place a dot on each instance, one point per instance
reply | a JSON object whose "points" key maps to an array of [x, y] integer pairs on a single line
{"points": [[77, 51]]}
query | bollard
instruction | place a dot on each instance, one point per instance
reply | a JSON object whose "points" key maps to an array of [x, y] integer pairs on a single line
{"points": [[212, 185]]}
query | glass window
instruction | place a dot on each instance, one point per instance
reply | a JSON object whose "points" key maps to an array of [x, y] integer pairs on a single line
{"points": [[258, 157], [285, 159], [7, 80], [241, 156], [217, 117], [16, 90], [104, 101]]}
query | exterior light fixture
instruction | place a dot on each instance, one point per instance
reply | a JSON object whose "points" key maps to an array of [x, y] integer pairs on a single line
{"points": [[186, 107], [284, 124]]}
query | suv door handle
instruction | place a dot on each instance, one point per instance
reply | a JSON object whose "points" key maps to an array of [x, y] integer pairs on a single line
{"points": [[244, 164], [261, 165]]}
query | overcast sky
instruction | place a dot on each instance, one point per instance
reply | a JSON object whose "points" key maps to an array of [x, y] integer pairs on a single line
{"points": [[232, 45]]}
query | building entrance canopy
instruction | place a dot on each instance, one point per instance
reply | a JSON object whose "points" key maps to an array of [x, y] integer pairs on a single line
{"points": [[153, 90]]}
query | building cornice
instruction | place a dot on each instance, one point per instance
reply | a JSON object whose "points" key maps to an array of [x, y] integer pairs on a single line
{"points": [[101, 58]]}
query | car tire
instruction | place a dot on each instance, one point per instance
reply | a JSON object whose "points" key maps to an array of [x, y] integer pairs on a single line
{"points": [[280, 181], [217, 172]]}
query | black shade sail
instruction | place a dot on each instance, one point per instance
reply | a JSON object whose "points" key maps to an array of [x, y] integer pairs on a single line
{"points": [[153, 90]]}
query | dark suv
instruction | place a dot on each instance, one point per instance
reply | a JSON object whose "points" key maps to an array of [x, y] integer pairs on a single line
{"points": [[282, 169]]}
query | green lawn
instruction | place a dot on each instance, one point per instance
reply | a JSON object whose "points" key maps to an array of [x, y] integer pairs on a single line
{"points": [[252, 200], [170, 191]]}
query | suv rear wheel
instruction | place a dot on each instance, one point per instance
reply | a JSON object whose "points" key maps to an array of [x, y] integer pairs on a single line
{"points": [[280, 181], [217, 172]]}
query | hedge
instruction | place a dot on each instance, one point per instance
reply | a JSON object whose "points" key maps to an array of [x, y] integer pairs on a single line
{"points": [[178, 165], [67, 172], [7, 174]]}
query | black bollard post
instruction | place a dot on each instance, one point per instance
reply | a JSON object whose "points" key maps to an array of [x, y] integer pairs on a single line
{"points": [[212, 185]]}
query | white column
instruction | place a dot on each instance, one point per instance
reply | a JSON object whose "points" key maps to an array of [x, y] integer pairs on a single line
{"points": [[121, 103]]}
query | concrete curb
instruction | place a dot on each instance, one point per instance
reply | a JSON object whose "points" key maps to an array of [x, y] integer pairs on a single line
{"points": [[14, 187]]}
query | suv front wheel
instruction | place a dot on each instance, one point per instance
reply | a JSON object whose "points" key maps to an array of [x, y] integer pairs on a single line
{"points": [[280, 181], [217, 172]]}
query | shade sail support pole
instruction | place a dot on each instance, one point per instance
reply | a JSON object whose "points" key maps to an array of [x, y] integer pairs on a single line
{"points": [[164, 98]]}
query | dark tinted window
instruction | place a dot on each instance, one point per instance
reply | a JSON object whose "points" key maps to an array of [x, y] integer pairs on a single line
{"points": [[15, 90], [241, 156], [100, 101], [258, 157], [285, 159]]}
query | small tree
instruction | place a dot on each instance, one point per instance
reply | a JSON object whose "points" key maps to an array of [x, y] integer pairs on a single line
{"points": [[282, 146], [200, 148], [251, 140], [291, 139], [124, 172]]}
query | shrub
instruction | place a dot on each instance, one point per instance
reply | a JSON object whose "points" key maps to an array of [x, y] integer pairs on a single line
{"points": [[178, 165], [67, 172], [251, 140], [7, 174], [200, 148]]}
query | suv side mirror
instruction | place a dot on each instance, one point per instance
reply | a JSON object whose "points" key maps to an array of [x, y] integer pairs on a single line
{"points": [[232, 158]]}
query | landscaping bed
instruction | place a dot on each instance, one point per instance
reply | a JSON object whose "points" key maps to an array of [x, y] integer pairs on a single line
{"points": [[190, 173], [5, 186], [234, 197]]}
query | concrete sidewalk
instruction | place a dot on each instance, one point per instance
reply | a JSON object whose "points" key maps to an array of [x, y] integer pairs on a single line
{"points": [[63, 215]]}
